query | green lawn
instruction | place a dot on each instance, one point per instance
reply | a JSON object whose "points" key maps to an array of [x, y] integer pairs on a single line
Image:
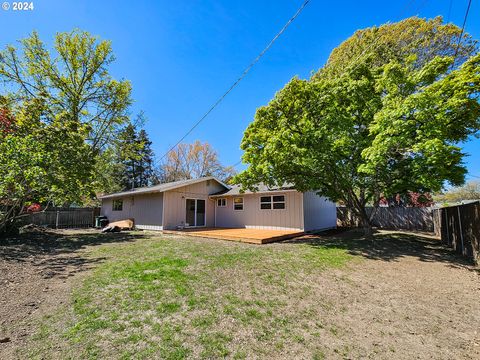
{"points": [[176, 298]]}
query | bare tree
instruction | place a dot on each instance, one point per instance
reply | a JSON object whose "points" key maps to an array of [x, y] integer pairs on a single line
{"points": [[191, 161]]}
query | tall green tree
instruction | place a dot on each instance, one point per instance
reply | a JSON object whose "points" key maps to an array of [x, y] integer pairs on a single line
{"points": [[39, 162], [73, 81], [390, 123], [66, 108], [134, 156]]}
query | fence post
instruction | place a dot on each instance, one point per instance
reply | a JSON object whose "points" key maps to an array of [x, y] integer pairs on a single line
{"points": [[460, 225], [446, 225], [57, 219]]}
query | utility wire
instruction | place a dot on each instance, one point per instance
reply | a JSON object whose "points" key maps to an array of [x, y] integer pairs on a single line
{"points": [[461, 33], [359, 57], [244, 73]]}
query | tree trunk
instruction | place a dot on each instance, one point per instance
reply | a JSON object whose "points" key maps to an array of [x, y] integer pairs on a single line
{"points": [[357, 206], [365, 222]]}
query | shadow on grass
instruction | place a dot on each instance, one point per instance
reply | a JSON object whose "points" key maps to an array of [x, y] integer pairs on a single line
{"points": [[387, 246], [58, 253]]}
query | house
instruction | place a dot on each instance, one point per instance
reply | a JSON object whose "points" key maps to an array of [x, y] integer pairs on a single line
{"points": [[208, 202]]}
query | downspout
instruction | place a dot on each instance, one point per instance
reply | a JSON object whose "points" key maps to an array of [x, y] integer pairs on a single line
{"points": [[214, 212], [163, 209]]}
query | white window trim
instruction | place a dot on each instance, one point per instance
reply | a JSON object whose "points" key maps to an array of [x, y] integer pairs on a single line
{"points": [[219, 199], [243, 203], [271, 202]]}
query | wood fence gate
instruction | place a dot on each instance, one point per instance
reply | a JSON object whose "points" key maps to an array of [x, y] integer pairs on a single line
{"points": [[459, 228]]}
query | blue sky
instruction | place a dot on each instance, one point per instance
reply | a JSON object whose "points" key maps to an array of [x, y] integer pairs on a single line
{"points": [[182, 55]]}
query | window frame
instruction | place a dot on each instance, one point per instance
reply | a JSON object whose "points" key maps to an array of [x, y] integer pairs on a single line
{"points": [[272, 202], [243, 203], [116, 201], [222, 200], [266, 202]]}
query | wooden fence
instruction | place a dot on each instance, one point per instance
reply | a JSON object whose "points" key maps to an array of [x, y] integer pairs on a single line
{"points": [[459, 228], [61, 218], [394, 218]]}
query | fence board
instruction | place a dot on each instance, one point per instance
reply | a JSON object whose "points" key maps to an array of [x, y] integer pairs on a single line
{"points": [[394, 218], [459, 228], [63, 218]]}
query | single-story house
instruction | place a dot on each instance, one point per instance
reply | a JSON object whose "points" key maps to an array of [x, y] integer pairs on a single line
{"points": [[208, 202]]}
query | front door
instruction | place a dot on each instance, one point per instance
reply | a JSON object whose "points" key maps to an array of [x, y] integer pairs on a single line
{"points": [[195, 212]]}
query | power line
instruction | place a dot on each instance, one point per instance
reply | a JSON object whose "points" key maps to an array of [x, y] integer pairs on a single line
{"points": [[461, 33], [236, 164], [405, 8], [358, 58], [244, 73]]}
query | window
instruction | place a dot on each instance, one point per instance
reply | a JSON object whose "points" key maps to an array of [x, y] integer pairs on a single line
{"points": [[265, 202], [276, 202], [221, 202], [279, 202], [117, 205], [238, 203]]}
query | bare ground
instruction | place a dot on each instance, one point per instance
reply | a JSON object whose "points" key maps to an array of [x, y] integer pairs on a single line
{"points": [[409, 298], [36, 273]]}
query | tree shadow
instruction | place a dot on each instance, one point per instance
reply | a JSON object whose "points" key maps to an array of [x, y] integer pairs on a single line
{"points": [[388, 246], [59, 253]]}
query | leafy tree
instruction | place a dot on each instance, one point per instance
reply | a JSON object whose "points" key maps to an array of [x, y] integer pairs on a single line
{"points": [[380, 128], [106, 170], [59, 111], [426, 39], [74, 83], [39, 162], [191, 161]]}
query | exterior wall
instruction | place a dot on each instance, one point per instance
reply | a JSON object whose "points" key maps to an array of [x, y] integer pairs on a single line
{"points": [[145, 209], [290, 218], [175, 203], [319, 213]]}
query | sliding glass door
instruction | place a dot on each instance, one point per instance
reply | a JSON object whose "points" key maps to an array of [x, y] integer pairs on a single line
{"points": [[195, 212]]}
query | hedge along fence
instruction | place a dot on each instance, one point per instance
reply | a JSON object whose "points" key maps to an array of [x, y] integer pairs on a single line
{"points": [[459, 228], [62, 218], [394, 218]]}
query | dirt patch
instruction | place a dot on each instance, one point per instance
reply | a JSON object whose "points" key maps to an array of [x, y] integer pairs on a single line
{"points": [[412, 298], [36, 273]]}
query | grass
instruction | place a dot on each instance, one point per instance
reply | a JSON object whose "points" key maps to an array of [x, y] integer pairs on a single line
{"points": [[177, 298]]}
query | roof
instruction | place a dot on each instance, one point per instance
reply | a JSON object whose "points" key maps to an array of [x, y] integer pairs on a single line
{"points": [[262, 189], [162, 187]]}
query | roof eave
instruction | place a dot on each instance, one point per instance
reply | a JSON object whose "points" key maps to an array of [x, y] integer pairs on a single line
{"points": [[151, 191]]}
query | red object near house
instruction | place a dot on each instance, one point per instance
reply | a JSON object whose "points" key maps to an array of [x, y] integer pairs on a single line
{"points": [[34, 208]]}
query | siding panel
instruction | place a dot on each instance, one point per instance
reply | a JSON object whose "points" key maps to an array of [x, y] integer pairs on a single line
{"points": [[145, 209], [175, 202], [253, 217], [319, 212]]}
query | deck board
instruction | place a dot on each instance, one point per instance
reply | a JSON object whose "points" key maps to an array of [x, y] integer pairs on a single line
{"points": [[252, 236]]}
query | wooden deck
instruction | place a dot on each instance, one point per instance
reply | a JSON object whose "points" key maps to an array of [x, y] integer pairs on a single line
{"points": [[252, 236]]}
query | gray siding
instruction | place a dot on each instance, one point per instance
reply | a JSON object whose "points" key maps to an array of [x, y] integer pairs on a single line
{"points": [[252, 216], [146, 210], [320, 213]]}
